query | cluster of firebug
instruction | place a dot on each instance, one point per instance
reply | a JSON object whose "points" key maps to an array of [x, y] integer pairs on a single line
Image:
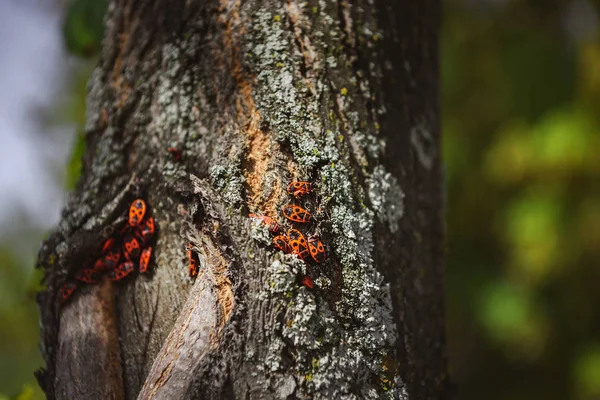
{"points": [[293, 241], [121, 254]]}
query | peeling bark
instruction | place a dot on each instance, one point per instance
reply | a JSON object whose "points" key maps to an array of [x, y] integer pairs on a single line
{"points": [[256, 94]]}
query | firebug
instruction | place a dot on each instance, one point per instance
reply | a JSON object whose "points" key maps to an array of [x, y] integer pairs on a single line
{"points": [[193, 268], [298, 244], [280, 242], [316, 248], [131, 247], [146, 230], [194, 261], [136, 212], [301, 188], [308, 282], [145, 259], [109, 261], [99, 265], [296, 213], [175, 153], [87, 275], [108, 245], [121, 271], [266, 221], [66, 290]]}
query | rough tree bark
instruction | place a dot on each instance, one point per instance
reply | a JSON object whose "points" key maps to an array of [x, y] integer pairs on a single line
{"points": [[256, 94]]}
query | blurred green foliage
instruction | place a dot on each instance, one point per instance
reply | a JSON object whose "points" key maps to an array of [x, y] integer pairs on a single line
{"points": [[76, 113], [83, 29], [521, 84], [83, 26], [19, 330], [19, 333]]}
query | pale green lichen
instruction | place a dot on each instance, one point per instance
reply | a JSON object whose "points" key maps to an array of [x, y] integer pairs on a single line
{"points": [[229, 181], [174, 94], [293, 120], [387, 198], [107, 159], [423, 143], [172, 112], [334, 354], [330, 151], [334, 183], [259, 232], [282, 273]]}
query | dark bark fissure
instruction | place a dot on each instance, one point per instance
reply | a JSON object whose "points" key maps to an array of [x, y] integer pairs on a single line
{"points": [[255, 94], [412, 98]]}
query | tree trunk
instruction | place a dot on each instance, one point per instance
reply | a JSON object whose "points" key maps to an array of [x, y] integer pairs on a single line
{"points": [[254, 95]]}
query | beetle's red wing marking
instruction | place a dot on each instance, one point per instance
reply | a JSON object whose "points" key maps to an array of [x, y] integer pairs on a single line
{"points": [[99, 265], [280, 242], [145, 259], [66, 290], [109, 261], [149, 225], [146, 230], [308, 282], [193, 269], [269, 222], [121, 271], [108, 244], [87, 275], [296, 213], [136, 212], [112, 258], [298, 244], [193, 257], [317, 250], [301, 188], [131, 247]]}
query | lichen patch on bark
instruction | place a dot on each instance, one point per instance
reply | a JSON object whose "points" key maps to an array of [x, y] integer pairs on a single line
{"points": [[259, 150]]}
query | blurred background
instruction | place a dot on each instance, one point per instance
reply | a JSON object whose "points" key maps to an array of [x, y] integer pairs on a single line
{"points": [[521, 89]]}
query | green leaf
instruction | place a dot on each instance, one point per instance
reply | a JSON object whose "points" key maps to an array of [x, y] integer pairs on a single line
{"points": [[74, 166], [84, 26]]}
